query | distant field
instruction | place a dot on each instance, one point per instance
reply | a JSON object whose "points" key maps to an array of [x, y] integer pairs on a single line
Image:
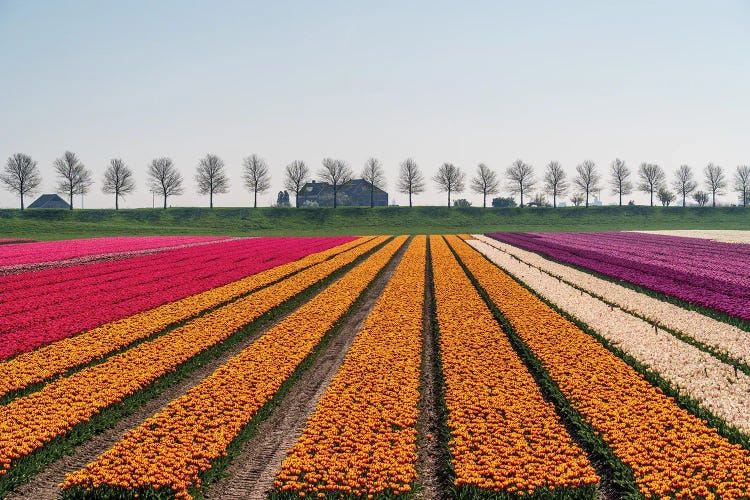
{"points": [[62, 224]]}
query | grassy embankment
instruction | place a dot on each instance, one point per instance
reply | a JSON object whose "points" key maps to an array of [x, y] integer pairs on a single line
{"points": [[64, 224]]}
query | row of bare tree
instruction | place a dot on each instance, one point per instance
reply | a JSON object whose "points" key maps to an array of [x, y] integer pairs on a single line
{"points": [[22, 177]]}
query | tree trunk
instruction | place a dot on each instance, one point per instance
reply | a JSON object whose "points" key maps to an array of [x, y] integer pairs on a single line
{"points": [[409, 198], [165, 199], [117, 207], [255, 198], [335, 190], [211, 199], [554, 199], [296, 199], [683, 199], [652, 197], [587, 198], [372, 195], [713, 199], [449, 197], [71, 198], [521, 197], [484, 199], [21, 199], [620, 196]]}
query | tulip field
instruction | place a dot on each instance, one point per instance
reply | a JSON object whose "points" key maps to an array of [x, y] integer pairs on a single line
{"points": [[505, 365]]}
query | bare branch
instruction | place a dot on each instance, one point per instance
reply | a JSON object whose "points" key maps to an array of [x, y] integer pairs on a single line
{"points": [[118, 180], [554, 181], [337, 173], [297, 174], [21, 175], [374, 174], [449, 178], [211, 177], [410, 179], [256, 175], [587, 178], [164, 178], [715, 181], [521, 175], [684, 183], [742, 182], [651, 179], [620, 179], [75, 178], [485, 182]]}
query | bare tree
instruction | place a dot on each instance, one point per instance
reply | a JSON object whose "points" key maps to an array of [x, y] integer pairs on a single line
{"points": [[554, 181], [373, 173], [715, 181], [211, 177], [450, 179], [297, 174], [577, 199], [652, 178], [337, 173], [521, 175], [118, 180], [587, 178], [21, 175], [665, 196], [164, 178], [75, 178], [684, 183], [742, 182], [257, 176], [701, 198], [620, 180], [485, 182], [410, 178]]}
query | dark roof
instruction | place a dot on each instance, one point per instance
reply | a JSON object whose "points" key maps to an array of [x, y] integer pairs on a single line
{"points": [[49, 201], [355, 185]]}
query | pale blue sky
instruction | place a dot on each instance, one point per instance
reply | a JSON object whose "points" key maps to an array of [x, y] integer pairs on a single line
{"points": [[465, 82]]}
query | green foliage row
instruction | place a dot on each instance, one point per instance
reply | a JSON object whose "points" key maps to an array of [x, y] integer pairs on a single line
{"points": [[274, 221]]}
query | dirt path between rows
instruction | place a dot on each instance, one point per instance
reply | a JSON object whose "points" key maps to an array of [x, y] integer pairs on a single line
{"points": [[45, 485], [432, 459], [251, 474]]}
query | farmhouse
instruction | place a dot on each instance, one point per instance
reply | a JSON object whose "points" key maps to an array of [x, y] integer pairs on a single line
{"points": [[355, 193], [49, 201]]}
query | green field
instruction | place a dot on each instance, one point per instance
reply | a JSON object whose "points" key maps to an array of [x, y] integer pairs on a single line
{"points": [[63, 224]]}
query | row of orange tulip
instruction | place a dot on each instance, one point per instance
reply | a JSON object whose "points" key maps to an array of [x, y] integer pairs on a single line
{"points": [[504, 436], [671, 452], [170, 450], [54, 359], [30, 422], [361, 439]]}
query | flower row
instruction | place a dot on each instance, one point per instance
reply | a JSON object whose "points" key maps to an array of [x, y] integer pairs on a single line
{"points": [[48, 251], [712, 274], [720, 336], [171, 449], [88, 296], [714, 384], [370, 407], [504, 436], [29, 423], [54, 359], [671, 452]]}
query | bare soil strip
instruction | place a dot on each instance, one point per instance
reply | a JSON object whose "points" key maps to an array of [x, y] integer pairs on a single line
{"points": [[45, 485], [432, 459], [250, 475]]}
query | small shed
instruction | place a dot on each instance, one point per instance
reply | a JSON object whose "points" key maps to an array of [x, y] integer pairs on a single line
{"points": [[49, 201]]}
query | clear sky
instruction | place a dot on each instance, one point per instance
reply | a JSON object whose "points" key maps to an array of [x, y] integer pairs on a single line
{"points": [[466, 82]]}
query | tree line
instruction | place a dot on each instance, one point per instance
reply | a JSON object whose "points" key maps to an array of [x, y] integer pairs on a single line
{"points": [[22, 177]]}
